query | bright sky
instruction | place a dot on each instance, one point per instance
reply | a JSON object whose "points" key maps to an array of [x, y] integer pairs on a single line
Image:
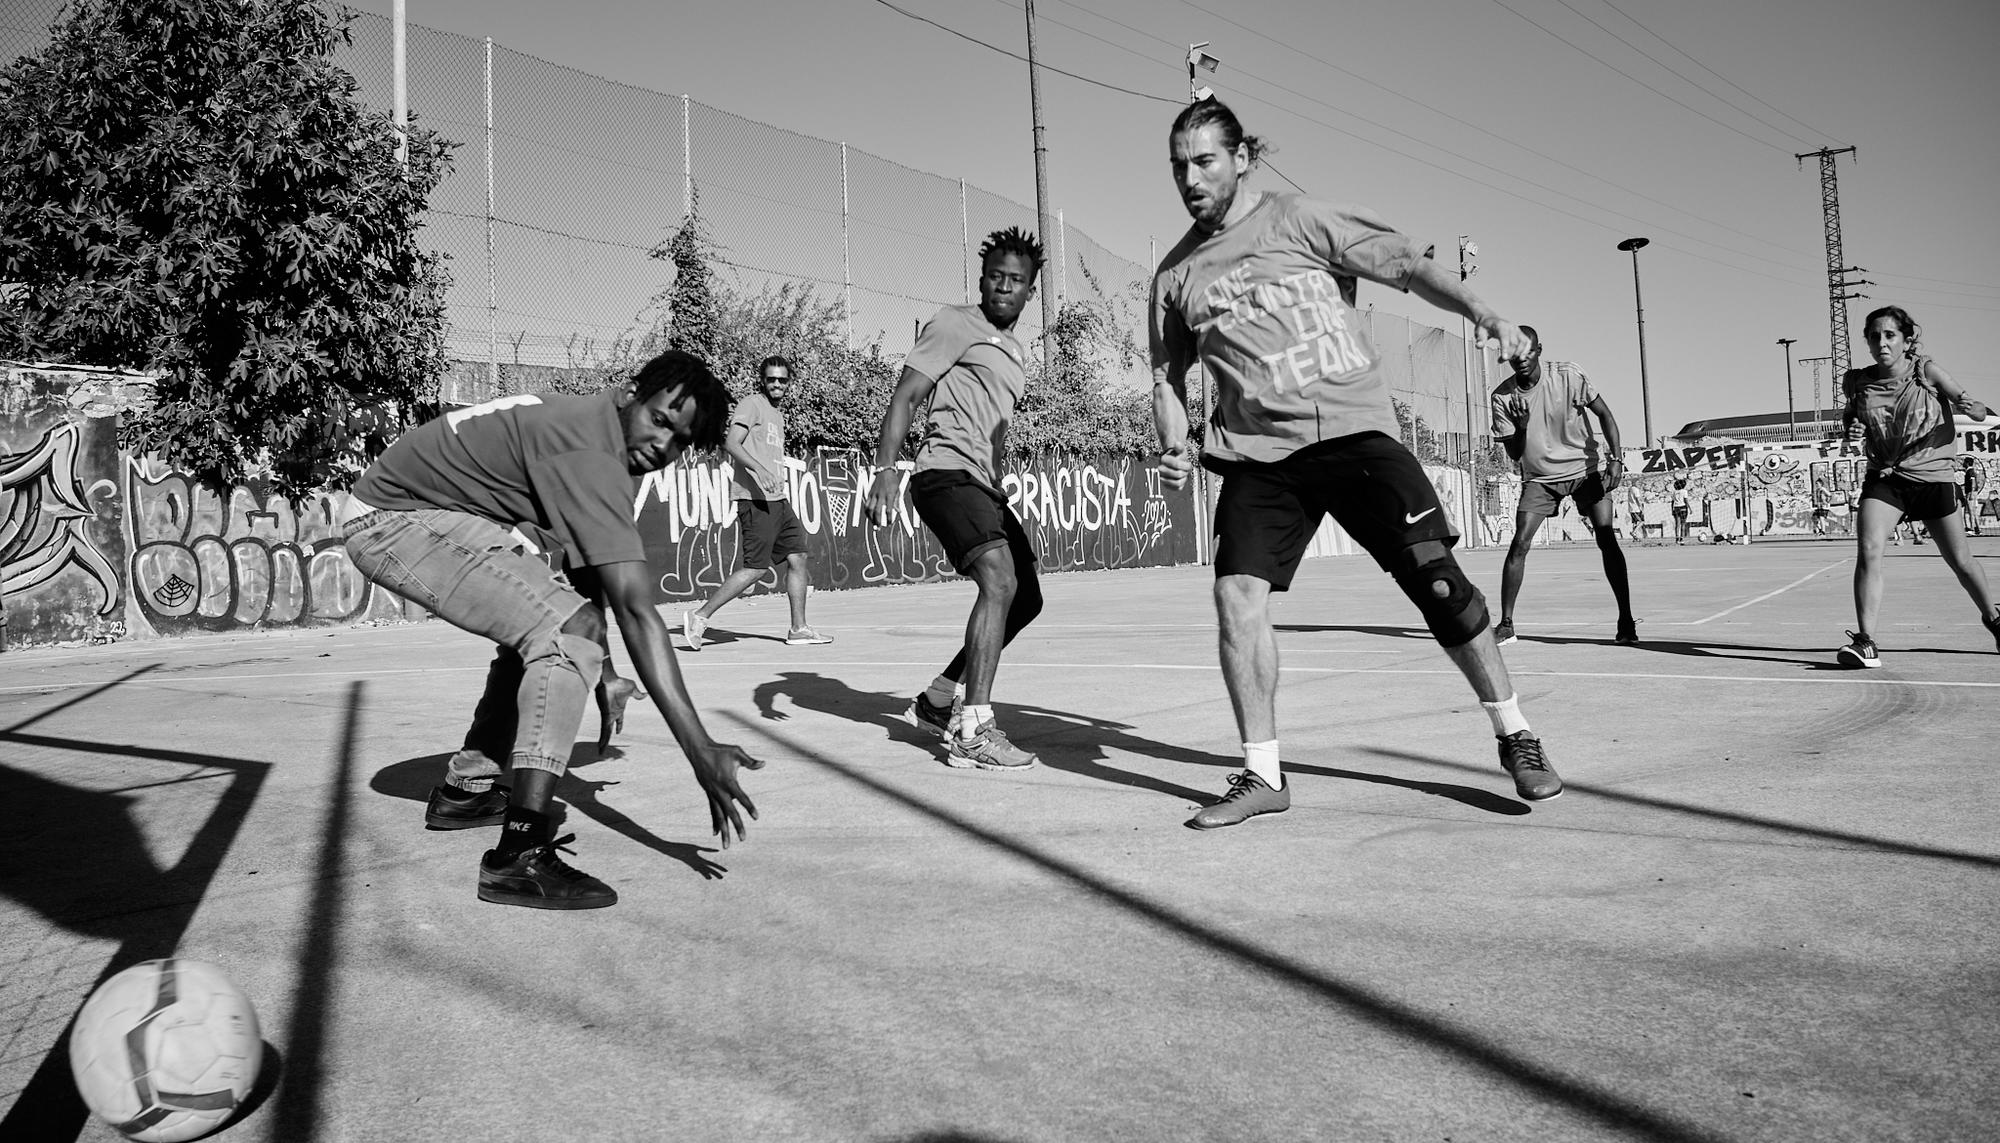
{"points": [[1547, 130]]}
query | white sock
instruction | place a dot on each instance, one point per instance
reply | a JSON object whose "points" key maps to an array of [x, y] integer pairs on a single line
{"points": [[975, 719], [941, 691], [1506, 715], [1261, 759]]}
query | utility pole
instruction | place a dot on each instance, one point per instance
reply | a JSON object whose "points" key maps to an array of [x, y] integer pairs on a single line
{"points": [[1816, 362], [1633, 246], [1196, 58], [1467, 248], [1041, 189], [1791, 414], [1837, 284]]}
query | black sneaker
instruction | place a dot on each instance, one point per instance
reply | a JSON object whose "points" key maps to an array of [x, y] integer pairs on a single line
{"points": [[453, 808], [1534, 779], [1503, 632], [1993, 624], [540, 879], [1859, 652], [1628, 632], [928, 715]]}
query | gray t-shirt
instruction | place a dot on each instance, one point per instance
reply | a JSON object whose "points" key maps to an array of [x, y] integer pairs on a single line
{"points": [[980, 372], [1558, 441], [764, 440], [1266, 307]]}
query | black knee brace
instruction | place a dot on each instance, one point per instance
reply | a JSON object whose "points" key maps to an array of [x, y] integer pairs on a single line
{"points": [[1452, 608]]}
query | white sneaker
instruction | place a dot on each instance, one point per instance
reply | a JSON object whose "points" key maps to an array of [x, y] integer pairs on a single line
{"points": [[692, 625], [805, 636]]}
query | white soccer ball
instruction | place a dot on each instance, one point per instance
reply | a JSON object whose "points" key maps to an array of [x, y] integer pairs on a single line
{"points": [[166, 1050]]}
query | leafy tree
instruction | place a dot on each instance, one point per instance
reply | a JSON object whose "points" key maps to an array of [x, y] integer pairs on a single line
{"points": [[190, 188], [1068, 407], [1417, 433]]}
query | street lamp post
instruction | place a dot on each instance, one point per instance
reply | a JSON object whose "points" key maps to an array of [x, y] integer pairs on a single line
{"points": [[1791, 413], [1645, 394]]}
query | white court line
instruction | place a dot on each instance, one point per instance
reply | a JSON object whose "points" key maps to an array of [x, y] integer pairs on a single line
{"points": [[1770, 594]]}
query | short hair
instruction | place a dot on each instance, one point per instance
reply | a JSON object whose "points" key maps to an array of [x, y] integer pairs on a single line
{"points": [[1532, 334], [677, 369], [1204, 112], [1013, 240], [774, 359]]}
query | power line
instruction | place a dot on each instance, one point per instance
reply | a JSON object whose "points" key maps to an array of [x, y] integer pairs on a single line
{"points": [[1684, 79], [1712, 71], [1635, 79], [1022, 58]]}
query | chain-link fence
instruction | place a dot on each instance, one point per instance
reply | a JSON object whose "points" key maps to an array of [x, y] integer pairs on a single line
{"points": [[563, 181]]}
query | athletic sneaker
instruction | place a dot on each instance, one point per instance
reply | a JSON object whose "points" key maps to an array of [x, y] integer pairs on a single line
{"points": [[1859, 652], [1534, 779], [988, 750], [692, 625], [1992, 623], [540, 879], [925, 714], [453, 808], [1628, 632], [805, 636], [1248, 797], [1503, 632]]}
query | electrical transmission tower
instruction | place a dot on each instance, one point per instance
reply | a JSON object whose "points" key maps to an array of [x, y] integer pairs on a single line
{"points": [[1837, 283]]}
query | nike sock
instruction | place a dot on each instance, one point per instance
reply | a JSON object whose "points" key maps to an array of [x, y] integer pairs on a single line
{"points": [[1506, 715], [975, 719], [1261, 759], [524, 829], [941, 691]]}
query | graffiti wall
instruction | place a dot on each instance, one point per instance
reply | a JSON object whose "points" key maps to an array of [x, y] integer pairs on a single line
{"points": [[62, 551], [1080, 515]]}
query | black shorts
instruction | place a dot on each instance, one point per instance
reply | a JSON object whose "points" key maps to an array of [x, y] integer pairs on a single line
{"points": [[1542, 498], [1915, 499], [769, 530], [1267, 513], [967, 517]]}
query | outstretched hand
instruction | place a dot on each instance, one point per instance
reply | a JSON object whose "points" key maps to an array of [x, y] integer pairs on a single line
{"points": [[612, 696], [715, 768], [1511, 341]]}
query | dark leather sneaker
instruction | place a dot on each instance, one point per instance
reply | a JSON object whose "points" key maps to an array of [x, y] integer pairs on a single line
{"points": [[1248, 797], [1859, 652], [1628, 633], [1503, 632], [453, 808], [1993, 625], [539, 878], [1534, 779], [930, 716]]}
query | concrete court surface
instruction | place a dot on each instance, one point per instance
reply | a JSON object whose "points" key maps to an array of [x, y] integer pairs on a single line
{"points": [[1764, 910]]}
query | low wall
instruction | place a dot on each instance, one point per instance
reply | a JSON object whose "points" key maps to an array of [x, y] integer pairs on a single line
{"points": [[97, 544]]}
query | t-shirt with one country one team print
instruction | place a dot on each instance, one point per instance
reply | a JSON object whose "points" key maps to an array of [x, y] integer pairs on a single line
{"points": [[980, 374], [1267, 308]]}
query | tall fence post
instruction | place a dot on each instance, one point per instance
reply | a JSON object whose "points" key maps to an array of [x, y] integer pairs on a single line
{"points": [[492, 287], [846, 271], [687, 160], [965, 246]]}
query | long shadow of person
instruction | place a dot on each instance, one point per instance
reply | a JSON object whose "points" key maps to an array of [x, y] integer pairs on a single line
{"points": [[1699, 649], [412, 779], [1073, 743]]}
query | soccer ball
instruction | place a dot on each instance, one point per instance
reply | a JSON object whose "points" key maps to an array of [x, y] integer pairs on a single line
{"points": [[166, 1050]]}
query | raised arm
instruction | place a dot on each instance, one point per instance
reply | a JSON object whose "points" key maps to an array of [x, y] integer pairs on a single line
{"points": [[628, 593], [1441, 288], [911, 390]]}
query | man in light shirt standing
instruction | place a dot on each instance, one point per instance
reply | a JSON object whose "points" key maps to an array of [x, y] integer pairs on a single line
{"points": [[766, 527], [1538, 416]]}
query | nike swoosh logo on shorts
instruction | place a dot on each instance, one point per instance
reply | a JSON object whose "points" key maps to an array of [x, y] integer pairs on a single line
{"points": [[1409, 519]]}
